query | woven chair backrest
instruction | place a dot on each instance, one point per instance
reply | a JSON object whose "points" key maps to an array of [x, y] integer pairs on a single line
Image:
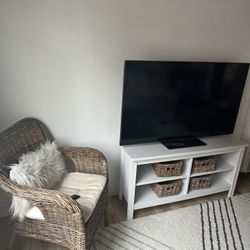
{"points": [[24, 136]]}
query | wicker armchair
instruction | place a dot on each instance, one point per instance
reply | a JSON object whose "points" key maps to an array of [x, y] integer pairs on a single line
{"points": [[64, 222]]}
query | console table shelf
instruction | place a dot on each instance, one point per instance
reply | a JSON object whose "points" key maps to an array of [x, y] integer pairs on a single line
{"points": [[137, 174], [145, 196], [221, 166], [146, 175]]}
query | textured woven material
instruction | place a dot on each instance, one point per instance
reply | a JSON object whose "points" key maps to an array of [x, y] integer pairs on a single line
{"points": [[203, 164], [5, 170], [199, 182], [167, 188], [219, 225], [64, 222], [88, 186], [173, 168], [24, 136]]}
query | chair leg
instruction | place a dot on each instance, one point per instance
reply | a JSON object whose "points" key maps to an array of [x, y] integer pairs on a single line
{"points": [[106, 220], [12, 240]]}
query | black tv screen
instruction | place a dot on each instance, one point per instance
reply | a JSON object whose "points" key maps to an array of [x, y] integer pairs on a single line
{"points": [[166, 100]]}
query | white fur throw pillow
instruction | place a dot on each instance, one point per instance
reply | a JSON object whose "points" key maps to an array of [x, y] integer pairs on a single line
{"points": [[42, 168]]}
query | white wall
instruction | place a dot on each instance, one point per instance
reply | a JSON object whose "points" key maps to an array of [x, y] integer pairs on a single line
{"points": [[62, 61]]}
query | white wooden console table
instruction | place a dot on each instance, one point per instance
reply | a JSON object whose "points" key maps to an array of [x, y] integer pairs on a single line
{"points": [[137, 174]]}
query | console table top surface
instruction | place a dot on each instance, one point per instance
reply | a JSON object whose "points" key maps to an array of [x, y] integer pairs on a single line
{"points": [[145, 151]]}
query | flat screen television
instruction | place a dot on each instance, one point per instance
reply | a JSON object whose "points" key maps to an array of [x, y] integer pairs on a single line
{"points": [[177, 102]]}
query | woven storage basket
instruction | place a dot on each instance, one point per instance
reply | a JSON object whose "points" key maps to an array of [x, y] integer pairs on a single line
{"points": [[200, 182], [167, 188], [170, 168], [203, 164]]}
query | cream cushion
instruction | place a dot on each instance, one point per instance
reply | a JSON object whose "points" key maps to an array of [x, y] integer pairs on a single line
{"points": [[88, 186]]}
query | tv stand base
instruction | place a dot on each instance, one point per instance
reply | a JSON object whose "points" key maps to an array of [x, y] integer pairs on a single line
{"points": [[138, 175], [184, 142]]}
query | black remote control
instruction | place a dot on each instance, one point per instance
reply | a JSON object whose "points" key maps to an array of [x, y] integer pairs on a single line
{"points": [[75, 196]]}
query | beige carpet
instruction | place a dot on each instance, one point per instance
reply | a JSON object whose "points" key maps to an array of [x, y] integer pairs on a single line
{"points": [[221, 224]]}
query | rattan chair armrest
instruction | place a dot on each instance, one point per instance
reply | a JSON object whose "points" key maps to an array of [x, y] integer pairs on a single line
{"points": [[40, 196], [87, 160]]}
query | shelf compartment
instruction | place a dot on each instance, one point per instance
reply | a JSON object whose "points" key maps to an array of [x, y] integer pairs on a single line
{"points": [[145, 196], [200, 182], [168, 188], [218, 185], [221, 166], [146, 175], [203, 164], [168, 168]]}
